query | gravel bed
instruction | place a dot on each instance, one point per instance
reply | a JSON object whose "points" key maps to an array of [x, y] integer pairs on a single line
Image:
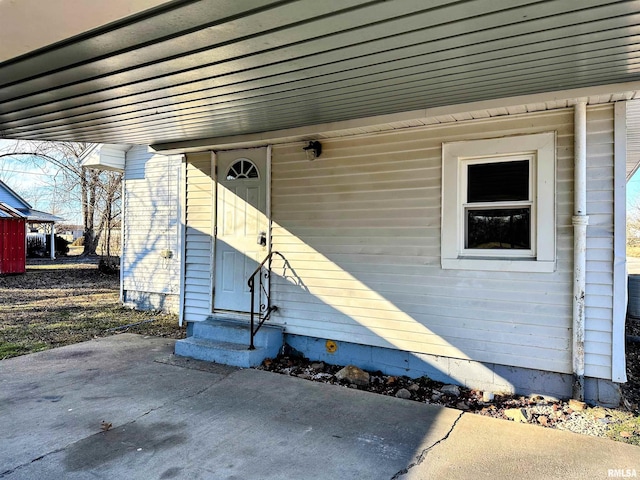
{"points": [[572, 416]]}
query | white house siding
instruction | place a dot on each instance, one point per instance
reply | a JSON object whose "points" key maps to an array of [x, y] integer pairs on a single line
{"points": [[151, 185], [360, 229], [198, 236], [599, 291]]}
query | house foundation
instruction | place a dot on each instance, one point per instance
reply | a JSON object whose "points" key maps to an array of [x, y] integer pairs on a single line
{"points": [[476, 375], [161, 302]]}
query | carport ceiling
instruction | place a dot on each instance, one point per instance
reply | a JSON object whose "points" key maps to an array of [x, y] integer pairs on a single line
{"points": [[189, 70]]}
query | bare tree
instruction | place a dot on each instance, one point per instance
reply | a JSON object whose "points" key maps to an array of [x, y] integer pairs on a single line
{"points": [[98, 192], [6, 174], [633, 224]]}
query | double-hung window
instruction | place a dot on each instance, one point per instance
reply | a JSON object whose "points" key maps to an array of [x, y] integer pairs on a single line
{"points": [[498, 204]]}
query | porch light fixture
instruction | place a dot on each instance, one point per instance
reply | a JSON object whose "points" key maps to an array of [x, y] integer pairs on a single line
{"points": [[313, 150]]}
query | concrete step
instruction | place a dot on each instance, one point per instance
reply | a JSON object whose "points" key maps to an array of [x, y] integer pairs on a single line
{"points": [[225, 353], [237, 331]]}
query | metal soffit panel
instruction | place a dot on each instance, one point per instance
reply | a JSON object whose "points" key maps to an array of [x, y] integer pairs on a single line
{"points": [[211, 68]]}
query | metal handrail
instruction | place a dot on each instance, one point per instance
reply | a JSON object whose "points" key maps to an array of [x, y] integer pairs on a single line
{"points": [[266, 309]]}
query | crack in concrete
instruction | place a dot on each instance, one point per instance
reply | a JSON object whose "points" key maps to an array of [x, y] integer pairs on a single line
{"points": [[423, 454], [194, 394], [15, 469], [53, 452]]}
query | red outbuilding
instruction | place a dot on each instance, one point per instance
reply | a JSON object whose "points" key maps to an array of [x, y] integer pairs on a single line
{"points": [[13, 231]]}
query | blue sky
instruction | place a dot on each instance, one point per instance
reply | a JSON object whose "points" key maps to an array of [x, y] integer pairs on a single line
{"points": [[35, 184], [633, 190]]}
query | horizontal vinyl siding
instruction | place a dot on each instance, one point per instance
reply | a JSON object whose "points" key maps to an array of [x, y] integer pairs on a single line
{"points": [[10, 199], [360, 228], [151, 223], [600, 208], [198, 237]]}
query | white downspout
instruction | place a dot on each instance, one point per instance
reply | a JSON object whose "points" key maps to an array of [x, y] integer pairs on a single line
{"points": [[580, 221]]}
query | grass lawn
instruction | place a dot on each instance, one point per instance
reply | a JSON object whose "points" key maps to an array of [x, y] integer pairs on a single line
{"points": [[68, 301]]}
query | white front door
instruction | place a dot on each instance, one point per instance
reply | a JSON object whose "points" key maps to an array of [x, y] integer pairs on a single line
{"points": [[241, 224]]}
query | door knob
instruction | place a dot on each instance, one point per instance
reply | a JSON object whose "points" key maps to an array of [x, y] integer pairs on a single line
{"points": [[262, 239]]}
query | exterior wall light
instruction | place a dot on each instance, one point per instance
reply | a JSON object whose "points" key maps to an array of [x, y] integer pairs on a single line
{"points": [[313, 150]]}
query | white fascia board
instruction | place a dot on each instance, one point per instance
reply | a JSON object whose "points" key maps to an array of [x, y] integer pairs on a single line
{"points": [[107, 157]]}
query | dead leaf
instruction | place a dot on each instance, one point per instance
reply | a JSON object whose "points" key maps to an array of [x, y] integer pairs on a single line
{"points": [[106, 426], [625, 434]]}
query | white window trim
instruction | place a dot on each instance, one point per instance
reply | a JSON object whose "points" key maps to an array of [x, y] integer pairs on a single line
{"points": [[542, 147]]}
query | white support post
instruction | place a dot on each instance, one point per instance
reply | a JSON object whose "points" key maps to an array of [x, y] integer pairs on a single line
{"points": [[53, 241], [618, 356], [182, 208], [580, 222], [123, 219]]}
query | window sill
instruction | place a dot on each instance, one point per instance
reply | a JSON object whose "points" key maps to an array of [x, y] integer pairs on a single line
{"points": [[499, 265]]}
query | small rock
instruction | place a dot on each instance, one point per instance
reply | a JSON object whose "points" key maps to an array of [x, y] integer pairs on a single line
{"points": [[318, 366], [517, 415], [545, 410], [436, 396], [353, 375], [543, 420], [414, 387], [267, 362], [487, 397], [577, 405], [403, 393], [452, 390], [391, 380], [462, 406]]}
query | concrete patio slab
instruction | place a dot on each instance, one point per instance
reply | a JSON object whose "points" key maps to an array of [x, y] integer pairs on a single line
{"points": [[174, 418]]}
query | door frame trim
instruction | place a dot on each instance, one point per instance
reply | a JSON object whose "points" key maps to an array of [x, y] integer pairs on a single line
{"points": [[214, 233], [214, 229]]}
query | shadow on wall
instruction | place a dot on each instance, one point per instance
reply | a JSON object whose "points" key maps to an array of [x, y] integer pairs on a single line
{"points": [[319, 299], [369, 276], [151, 254]]}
